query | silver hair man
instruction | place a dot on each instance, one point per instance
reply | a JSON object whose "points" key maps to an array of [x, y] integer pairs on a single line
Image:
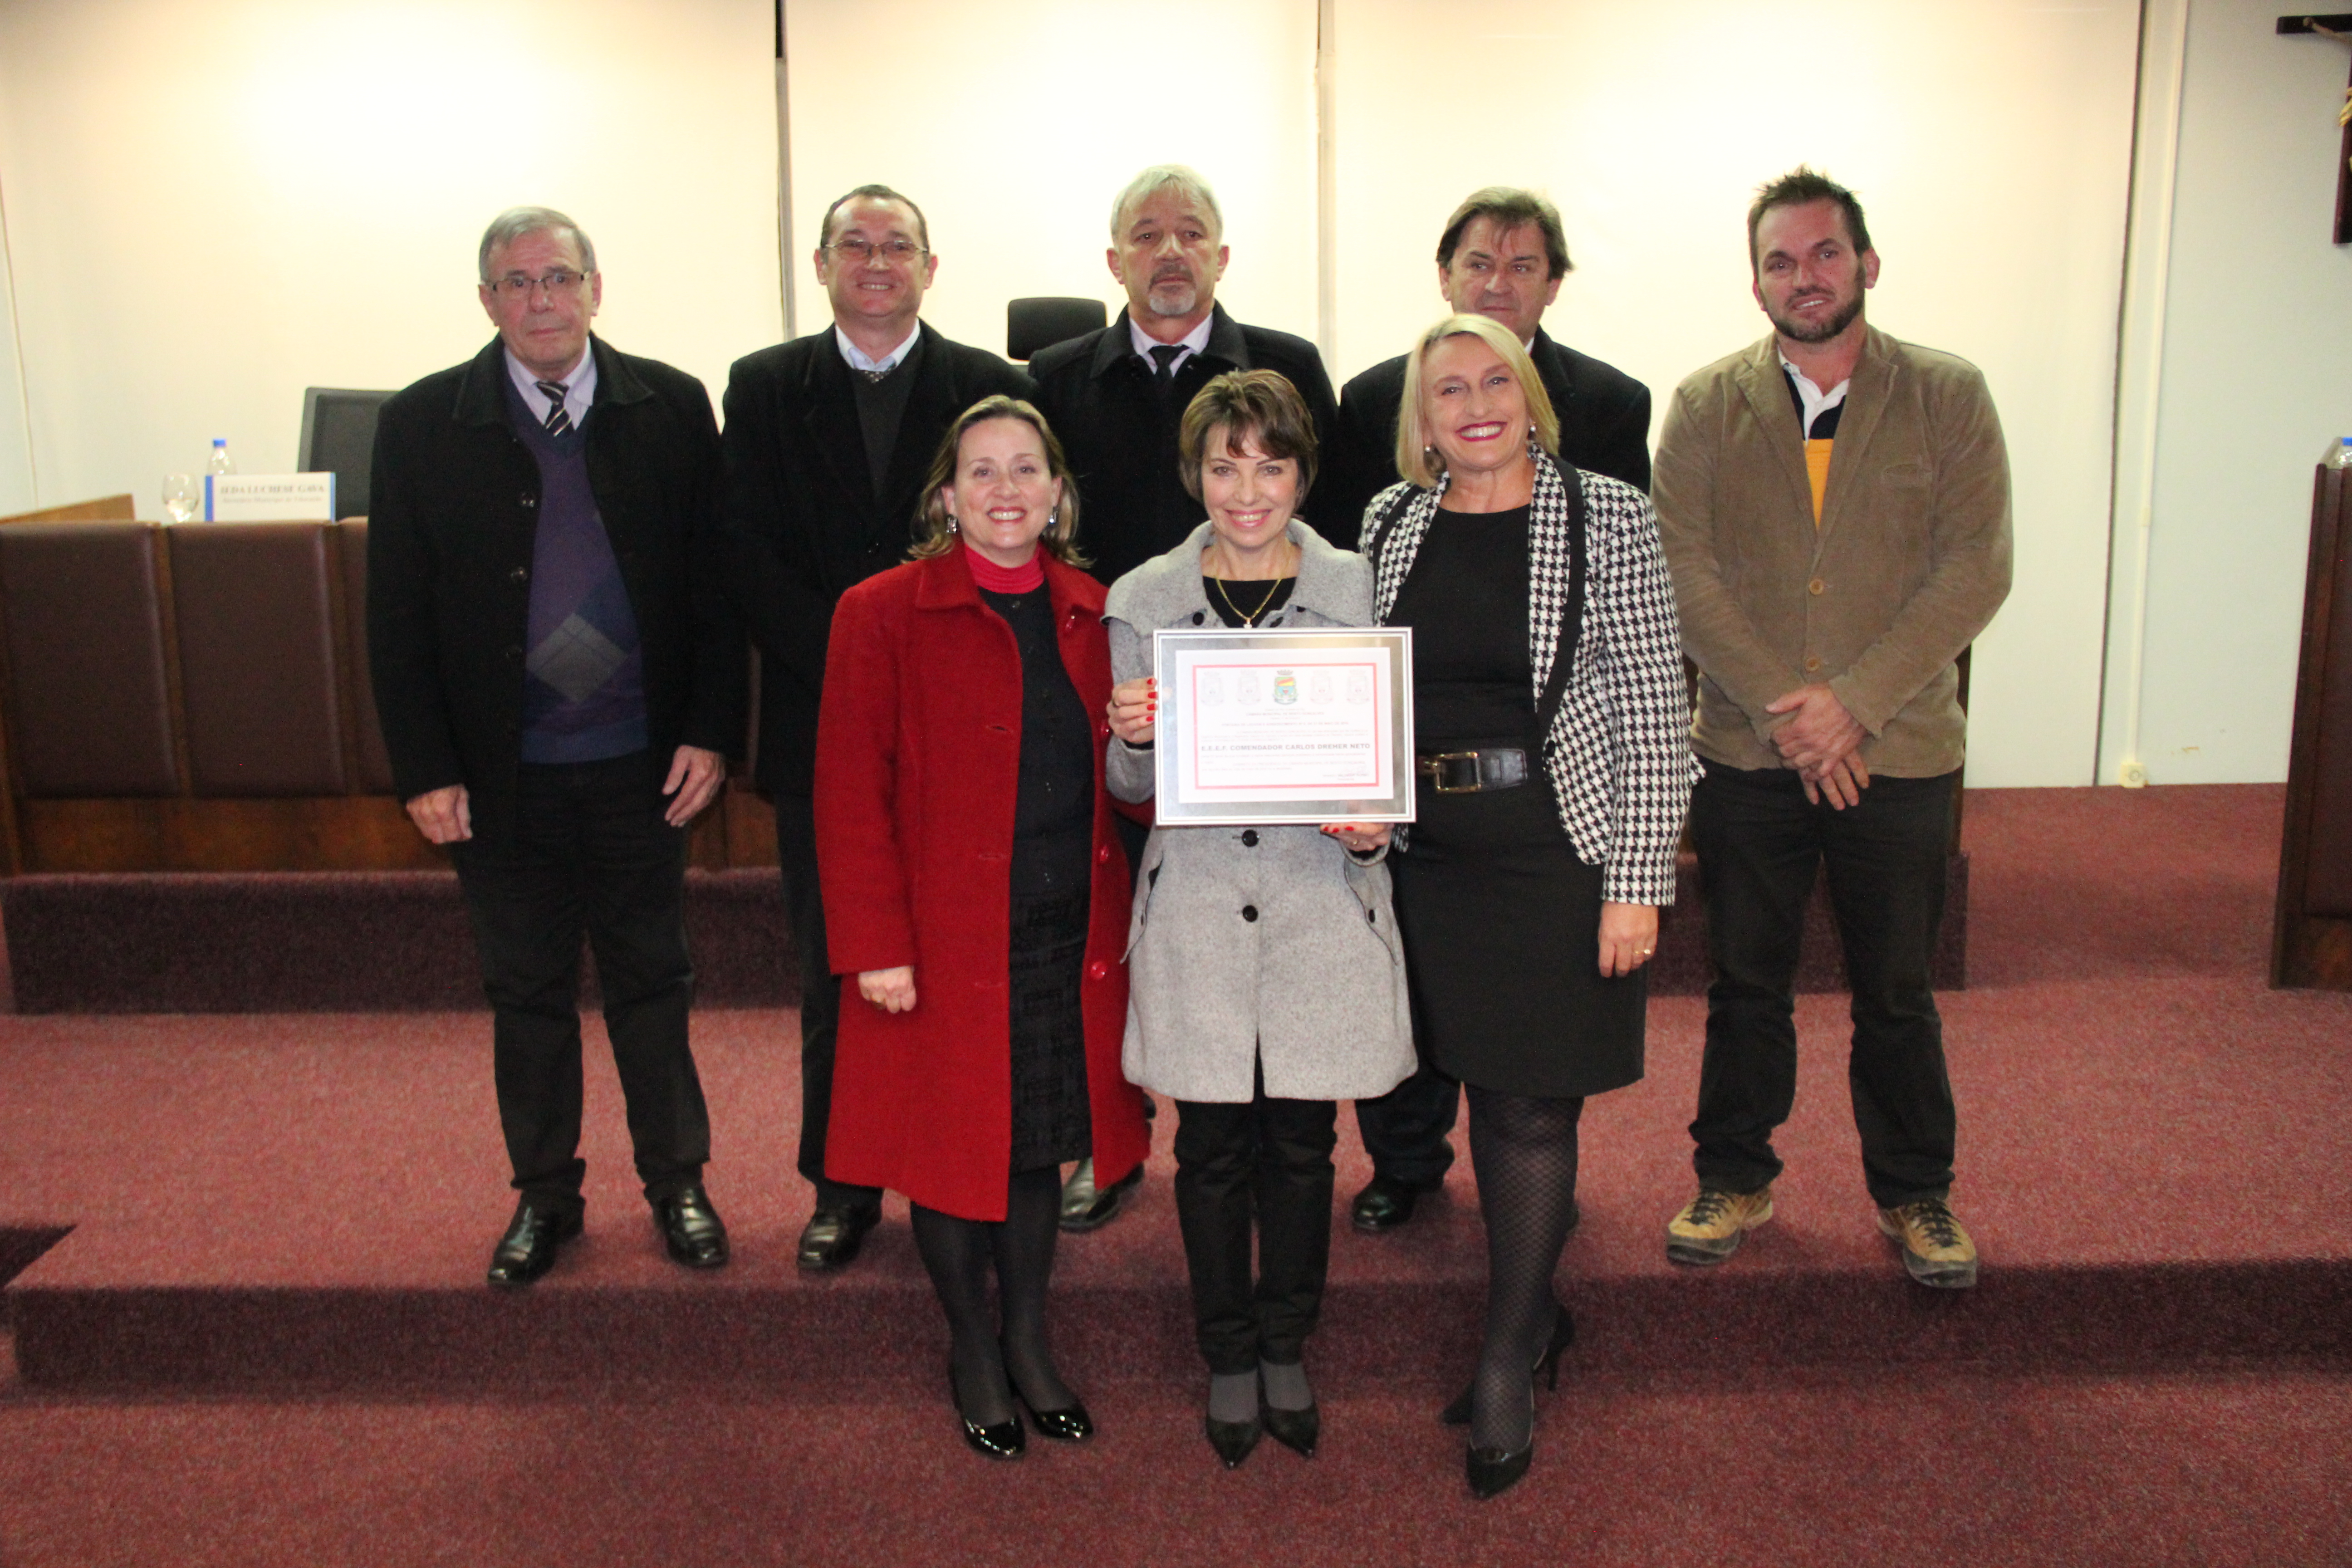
{"points": [[1160, 177], [515, 222]]}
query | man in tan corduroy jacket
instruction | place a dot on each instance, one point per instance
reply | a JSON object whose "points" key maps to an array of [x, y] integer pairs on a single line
{"points": [[1835, 506]]}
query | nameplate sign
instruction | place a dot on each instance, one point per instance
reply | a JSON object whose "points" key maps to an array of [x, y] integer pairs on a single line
{"points": [[269, 497]]}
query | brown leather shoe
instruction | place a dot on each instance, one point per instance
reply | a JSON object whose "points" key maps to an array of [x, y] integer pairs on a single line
{"points": [[831, 1238]]}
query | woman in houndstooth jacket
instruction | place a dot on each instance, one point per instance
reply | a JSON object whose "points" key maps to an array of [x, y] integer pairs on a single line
{"points": [[1553, 727]]}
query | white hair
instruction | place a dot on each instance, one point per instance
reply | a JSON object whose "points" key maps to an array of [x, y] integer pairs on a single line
{"points": [[1161, 177]]}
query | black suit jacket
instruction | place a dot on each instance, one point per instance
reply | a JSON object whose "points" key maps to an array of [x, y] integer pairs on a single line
{"points": [[453, 515], [1604, 424], [803, 522], [1120, 434]]}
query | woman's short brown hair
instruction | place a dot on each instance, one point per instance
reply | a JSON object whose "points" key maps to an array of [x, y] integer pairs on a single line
{"points": [[1258, 405], [935, 532], [1417, 461]]}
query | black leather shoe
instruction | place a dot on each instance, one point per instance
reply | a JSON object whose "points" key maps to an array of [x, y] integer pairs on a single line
{"points": [[1563, 1334], [832, 1238], [1071, 1424], [527, 1248], [691, 1228], [1088, 1207], [1296, 1430], [1233, 1440], [1386, 1203], [1001, 1440]]}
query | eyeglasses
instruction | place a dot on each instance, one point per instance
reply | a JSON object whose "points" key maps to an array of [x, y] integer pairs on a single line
{"points": [[897, 252], [559, 284]]}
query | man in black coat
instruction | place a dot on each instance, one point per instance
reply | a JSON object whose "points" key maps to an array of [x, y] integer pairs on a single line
{"points": [[1115, 396], [829, 438], [560, 678], [1502, 255]]}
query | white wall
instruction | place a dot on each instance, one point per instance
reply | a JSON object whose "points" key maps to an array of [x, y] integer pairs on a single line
{"points": [[1991, 150], [1013, 127], [214, 206], [17, 487], [2257, 322], [209, 206]]}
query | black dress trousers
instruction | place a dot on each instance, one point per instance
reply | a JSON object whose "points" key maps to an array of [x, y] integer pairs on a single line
{"points": [[1760, 844], [589, 855], [820, 1000], [1269, 1160]]}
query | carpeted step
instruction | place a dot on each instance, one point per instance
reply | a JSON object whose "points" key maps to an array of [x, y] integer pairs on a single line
{"points": [[397, 940]]}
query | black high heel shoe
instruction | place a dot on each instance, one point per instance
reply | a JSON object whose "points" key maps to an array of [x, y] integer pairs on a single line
{"points": [[1492, 1471], [1071, 1424], [1233, 1440], [1296, 1430], [1563, 1334], [1000, 1440]]}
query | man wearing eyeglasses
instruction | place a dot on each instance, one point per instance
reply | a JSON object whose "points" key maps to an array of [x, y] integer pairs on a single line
{"points": [[559, 676], [828, 440]]}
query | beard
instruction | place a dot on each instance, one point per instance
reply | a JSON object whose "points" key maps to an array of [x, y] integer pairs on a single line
{"points": [[1798, 332], [1173, 296]]}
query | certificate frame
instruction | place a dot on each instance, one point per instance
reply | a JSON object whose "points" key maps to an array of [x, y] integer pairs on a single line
{"points": [[1354, 709]]}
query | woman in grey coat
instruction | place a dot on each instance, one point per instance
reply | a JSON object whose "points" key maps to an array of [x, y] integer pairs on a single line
{"points": [[1265, 978]]}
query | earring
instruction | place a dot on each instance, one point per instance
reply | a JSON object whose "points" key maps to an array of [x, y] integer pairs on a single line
{"points": [[951, 523]]}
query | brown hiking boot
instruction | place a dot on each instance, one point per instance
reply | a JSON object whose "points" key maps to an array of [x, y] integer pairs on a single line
{"points": [[1935, 1249], [1713, 1224]]}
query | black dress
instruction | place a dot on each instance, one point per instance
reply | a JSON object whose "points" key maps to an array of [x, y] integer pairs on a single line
{"points": [[1501, 921], [1052, 839]]}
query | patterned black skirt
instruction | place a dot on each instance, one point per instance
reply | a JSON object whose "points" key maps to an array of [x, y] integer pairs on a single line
{"points": [[1052, 1123]]}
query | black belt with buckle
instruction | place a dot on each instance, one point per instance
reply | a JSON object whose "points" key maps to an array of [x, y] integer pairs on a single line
{"points": [[1466, 773]]}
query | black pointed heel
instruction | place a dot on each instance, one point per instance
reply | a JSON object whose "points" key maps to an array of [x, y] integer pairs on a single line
{"points": [[1493, 1471], [1070, 1423], [1547, 1368], [1296, 1430], [1000, 1440], [1233, 1440]]}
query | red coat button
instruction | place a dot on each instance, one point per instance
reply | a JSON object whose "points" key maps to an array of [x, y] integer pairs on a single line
{"points": [[1097, 970], [1102, 855]]}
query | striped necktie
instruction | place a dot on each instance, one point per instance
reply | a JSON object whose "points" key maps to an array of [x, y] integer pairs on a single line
{"points": [[558, 420]]}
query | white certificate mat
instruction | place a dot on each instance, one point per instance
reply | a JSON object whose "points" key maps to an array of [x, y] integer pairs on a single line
{"points": [[1284, 726]]}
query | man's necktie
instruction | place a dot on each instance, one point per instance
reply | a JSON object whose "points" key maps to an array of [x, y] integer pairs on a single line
{"points": [[558, 421], [1163, 360], [876, 374]]}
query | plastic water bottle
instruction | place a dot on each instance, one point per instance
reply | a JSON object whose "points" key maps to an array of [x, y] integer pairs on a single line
{"points": [[220, 462], [2339, 456]]}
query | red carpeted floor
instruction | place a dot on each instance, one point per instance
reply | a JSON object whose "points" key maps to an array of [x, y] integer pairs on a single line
{"points": [[263, 1339]]}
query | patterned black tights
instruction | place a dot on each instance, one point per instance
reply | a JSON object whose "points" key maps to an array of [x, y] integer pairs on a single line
{"points": [[1524, 1151]]}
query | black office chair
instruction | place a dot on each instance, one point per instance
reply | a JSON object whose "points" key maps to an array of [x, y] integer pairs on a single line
{"points": [[338, 439], [1046, 320]]}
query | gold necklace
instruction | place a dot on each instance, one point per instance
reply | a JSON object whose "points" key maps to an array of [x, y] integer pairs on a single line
{"points": [[1249, 617]]}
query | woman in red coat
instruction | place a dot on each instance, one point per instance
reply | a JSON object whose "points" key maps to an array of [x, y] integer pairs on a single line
{"points": [[976, 902]]}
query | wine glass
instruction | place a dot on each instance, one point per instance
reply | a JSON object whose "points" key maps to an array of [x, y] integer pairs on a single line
{"points": [[179, 498]]}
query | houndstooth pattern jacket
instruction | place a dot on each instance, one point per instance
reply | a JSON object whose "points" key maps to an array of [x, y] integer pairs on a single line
{"points": [[1619, 751]]}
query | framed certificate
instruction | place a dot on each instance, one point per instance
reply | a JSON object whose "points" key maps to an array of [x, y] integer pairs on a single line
{"points": [[1284, 726]]}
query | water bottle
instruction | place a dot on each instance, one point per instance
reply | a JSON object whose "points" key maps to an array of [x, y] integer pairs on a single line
{"points": [[2339, 456], [220, 462]]}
